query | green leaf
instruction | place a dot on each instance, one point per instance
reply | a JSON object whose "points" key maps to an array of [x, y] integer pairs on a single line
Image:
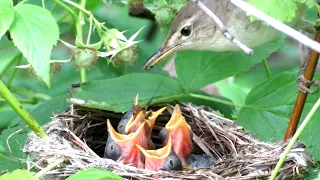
{"points": [[94, 174], [6, 16], [235, 92], [8, 162], [34, 31], [197, 69], [117, 94], [92, 4], [8, 53], [284, 11], [42, 113], [6, 115], [309, 3], [19, 174], [313, 173], [268, 109]]}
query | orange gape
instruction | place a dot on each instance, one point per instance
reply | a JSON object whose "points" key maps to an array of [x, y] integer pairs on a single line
{"points": [[134, 145], [164, 158], [128, 152], [180, 132], [135, 130]]}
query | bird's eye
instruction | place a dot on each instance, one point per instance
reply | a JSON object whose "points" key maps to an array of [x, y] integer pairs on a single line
{"points": [[186, 31]]}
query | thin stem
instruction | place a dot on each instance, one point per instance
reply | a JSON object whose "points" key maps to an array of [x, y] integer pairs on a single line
{"points": [[83, 75], [73, 14], [23, 113], [309, 71], [18, 58], [266, 68], [49, 167], [80, 7], [27, 101], [89, 32], [9, 65], [54, 7], [67, 13], [30, 94], [98, 25], [79, 30], [293, 140], [43, 4], [215, 100]]}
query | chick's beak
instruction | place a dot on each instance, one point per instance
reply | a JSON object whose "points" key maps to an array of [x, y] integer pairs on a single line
{"points": [[180, 131], [158, 56], [134, 123], [123, 147], [152, 118], [145, 134], [175, 117], [164, 158], [129, 116]]}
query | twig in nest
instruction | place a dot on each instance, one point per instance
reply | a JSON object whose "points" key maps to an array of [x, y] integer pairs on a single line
{"points": [[199, 142]]}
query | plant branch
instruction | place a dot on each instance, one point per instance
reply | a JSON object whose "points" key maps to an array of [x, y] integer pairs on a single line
{"points": [[83, 75], [266, 68], [49, 167], [23, 113], [98, 25], [30, 94], [215, 100], [43, 4], [27, 101], [10, 64], [73, 14], [302, 97], [79, 30], [293, 140], [253, 11], [66, 14], [18, 58]]}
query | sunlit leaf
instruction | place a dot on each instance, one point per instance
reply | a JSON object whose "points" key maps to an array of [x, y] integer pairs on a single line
{"points": [[34, 31], [268, 109], [94, 174], [6, 15], [117, 94], [19, 174]]}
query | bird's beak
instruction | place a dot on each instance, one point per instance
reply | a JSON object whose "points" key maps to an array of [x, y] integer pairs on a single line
{"points": [[129, 116], [135, 122], [145, 134], [152, 118], [163, 158], [180, 132], [136, 107], [130, 154], [175, 117], [158, 56]]}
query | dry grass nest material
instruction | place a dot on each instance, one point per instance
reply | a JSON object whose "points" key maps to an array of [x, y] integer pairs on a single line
{"points": [[80, 135]]}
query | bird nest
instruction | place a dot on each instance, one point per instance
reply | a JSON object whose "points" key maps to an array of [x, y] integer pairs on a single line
{"points": [[80, 134]]}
